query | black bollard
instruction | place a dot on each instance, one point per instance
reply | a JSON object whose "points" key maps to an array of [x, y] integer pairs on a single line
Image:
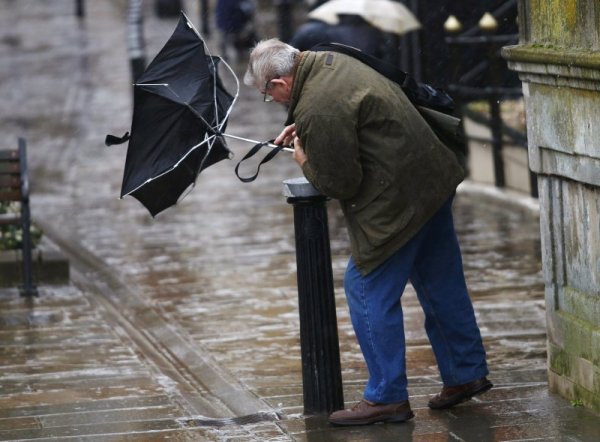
{"points": [[321, 371]]}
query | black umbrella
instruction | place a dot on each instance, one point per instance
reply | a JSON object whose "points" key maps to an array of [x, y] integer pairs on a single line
{"points": [[180, 111]]}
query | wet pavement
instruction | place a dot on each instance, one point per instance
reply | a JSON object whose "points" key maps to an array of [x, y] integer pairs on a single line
{"points": [[185, 327]]}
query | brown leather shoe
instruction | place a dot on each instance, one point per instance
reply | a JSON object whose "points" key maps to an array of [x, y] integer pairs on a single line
{"points": [[366, 412], [451, 396]]}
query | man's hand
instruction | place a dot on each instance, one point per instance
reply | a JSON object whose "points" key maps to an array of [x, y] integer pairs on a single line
{"points": [[299, 154], [287, 135]]}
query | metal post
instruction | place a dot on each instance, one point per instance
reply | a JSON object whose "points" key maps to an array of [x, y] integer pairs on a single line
{"points": [[80, 8], [135, 39], [489, 26], [204, 16], [417, 50], [284, 19], [28, 289], [321, 370], [496, 128], [453, 26]]}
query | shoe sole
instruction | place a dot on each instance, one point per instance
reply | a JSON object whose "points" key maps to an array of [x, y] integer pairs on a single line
{"points": [[397, 418], [460, 398]]}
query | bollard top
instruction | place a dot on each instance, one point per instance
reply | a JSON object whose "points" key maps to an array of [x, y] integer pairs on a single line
{"points": [[299, 188]]}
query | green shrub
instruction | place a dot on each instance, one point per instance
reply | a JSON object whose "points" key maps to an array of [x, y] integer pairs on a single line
{"points": [[11, 237]]}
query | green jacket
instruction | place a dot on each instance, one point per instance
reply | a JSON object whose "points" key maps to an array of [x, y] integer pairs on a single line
{"points": [[368, 147]]}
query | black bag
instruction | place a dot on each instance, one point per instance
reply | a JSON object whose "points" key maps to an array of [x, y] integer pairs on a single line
{"points": [[434, 105]]}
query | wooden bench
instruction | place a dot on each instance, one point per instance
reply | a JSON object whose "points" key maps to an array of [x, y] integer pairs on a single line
{"points": [[14, 187]]}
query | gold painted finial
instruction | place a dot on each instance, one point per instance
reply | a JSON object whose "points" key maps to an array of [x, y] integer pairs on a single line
{"points": [[488, 22], [452, 24]]}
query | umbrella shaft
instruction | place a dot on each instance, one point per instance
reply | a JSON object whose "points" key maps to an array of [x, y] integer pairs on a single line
{"points": [[271, 145]]}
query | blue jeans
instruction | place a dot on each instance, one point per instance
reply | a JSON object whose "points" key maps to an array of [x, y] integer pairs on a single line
{"points": [[432, 262]]}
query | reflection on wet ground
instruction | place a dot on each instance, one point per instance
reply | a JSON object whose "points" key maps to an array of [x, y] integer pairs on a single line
{"points": [[186, 326]]}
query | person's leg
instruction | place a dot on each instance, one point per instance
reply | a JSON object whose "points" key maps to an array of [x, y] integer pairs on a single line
{"points": [[374, 303], [450, 323], [227, 44], [376, 313]]}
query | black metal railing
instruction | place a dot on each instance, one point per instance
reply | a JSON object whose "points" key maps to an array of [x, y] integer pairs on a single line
{"points": [[487, 79]]}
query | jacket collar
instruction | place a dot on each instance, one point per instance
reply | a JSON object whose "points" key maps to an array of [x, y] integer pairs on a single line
{"points": [[306, 59]]}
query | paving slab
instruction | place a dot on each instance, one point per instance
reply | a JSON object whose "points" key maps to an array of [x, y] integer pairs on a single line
{"points": [[67, 372]]}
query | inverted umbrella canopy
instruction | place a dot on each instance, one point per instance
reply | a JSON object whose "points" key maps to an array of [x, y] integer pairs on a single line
{"points": [[386, 15], [180, 111]]}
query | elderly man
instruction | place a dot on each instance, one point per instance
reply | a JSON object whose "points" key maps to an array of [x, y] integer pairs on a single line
{"points": [[358, 139]]}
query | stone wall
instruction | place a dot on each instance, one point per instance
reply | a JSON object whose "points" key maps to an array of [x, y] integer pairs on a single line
{"points": [[558, 60]]}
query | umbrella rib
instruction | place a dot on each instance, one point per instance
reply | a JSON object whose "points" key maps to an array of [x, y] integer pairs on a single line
{"points": [[237, 92], [237, 82], [174, 166], [188, 105]]}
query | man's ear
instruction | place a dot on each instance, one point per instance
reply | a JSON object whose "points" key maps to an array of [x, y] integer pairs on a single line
{"points": [[285, 81]]}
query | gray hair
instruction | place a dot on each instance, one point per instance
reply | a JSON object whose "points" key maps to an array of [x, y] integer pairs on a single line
{"points": [[269, 59]]}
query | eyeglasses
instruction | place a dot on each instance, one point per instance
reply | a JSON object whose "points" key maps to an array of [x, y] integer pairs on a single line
{"points": [[267, 98]]}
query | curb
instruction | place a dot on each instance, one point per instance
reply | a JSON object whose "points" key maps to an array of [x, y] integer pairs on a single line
{"points": [[204, 387], [508, 196]]}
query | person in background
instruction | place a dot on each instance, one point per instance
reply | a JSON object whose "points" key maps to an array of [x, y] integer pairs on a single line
{"points": [[285, 19], [312, 4], [358, 139], [235, 22], [352, 30]]}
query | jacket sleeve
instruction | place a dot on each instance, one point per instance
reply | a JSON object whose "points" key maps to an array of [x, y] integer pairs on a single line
{"points": [[331, 146]]}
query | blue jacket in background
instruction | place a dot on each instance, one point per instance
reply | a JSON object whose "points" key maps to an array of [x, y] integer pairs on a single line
{"points": [[232, 15]]}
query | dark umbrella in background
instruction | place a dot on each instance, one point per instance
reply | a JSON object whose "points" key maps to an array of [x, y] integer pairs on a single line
{"points": [[180, 111]]}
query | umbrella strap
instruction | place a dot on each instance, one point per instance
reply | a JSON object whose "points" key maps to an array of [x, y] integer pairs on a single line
{"points": [[268, 157]]}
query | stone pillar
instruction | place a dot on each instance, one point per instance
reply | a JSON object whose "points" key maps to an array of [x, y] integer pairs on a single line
{"points": [[558, 61]]}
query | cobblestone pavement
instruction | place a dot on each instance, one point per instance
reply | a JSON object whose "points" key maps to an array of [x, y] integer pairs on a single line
{"points": [[185, 327]]}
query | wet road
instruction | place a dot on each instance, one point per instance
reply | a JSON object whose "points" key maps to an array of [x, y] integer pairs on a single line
{"points": [[186, 326]]}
